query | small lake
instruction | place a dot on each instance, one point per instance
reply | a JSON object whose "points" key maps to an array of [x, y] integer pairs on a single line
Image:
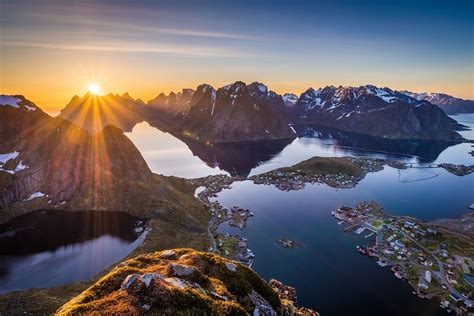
{"points": [[53, 247]]}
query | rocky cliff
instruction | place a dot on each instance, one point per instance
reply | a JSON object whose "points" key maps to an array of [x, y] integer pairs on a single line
{"points": [[375, 111], [184, 282], [230, 114], [48, 162]]}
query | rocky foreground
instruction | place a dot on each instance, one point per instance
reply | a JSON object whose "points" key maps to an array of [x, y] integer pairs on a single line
{"points": [[184, 282]]}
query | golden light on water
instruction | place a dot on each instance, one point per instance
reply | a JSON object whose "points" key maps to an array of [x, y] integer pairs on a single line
{"points": [[94, 88]]}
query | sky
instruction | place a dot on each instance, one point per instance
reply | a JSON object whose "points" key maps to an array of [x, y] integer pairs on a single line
{"points": [[52, 50]]}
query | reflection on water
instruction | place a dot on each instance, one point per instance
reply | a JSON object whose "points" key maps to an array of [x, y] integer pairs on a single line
{"points": [[329, 261], [52, 247], [237, 158], [425, 150], [466, 120], [168, 155]]}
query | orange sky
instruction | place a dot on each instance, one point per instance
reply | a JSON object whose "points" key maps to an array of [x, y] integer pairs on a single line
{"points": [[53, 51]]}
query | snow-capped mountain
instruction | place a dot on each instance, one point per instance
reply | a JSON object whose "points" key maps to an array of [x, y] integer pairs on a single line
{"points": [[290, 99], [282, 104], [235, 112], [241, 112], [376, 111], [448, 103]]}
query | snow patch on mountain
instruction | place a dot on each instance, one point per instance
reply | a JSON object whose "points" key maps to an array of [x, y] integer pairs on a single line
{"points": [[263, 88], [8, 100], [213, 101], [311, 99], [35, 195], [290, 99], [4, 158], [385, 95]]}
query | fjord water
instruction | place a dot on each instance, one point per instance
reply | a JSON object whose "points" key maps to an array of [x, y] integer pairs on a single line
{"points": [[54, 247], [328, 272], [330, 275], [168, 155]]}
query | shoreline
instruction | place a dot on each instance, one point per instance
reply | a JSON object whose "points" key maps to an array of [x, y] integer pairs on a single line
{"points": [[417, 252]]}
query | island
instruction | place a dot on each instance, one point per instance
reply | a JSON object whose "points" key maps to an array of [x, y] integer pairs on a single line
{"points": [[288, 243], [435, 258], [459, 170], [337, 172]]}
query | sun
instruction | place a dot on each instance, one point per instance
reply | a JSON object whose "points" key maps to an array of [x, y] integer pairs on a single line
{"points": [[94, 88]]}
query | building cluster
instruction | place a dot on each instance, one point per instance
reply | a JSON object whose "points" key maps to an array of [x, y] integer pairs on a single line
{"points": [[433, 262]]}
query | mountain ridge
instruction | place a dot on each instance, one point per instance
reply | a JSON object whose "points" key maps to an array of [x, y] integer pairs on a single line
{"points": [[448, 103], [240, 112]]}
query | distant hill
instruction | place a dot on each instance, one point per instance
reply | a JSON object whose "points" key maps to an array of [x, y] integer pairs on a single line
{"points": [[449, 104], [92, 112]]}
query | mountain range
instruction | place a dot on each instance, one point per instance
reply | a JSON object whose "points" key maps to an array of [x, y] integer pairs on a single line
{"points": [[448, 103], [49, 162], [240, 112]]}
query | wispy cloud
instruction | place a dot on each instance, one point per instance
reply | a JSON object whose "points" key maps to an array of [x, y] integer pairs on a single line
{"points": [[141, 26], [196, 51]]}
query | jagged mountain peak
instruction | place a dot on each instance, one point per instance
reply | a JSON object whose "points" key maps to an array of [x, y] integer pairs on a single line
{"points": [[126, 95], [204, 88], [234, 87], [258, 86], [290, 99]]}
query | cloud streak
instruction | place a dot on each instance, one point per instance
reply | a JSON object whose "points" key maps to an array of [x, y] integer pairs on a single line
{"points": [[79, 22], [195, 51]]}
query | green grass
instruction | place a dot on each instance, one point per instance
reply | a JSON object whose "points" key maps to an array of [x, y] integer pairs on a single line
{"points": [[327, 165], [211, 274], [377, 224]]}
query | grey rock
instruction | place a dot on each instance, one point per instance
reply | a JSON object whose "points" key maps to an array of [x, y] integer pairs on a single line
{"points": [[168, 254], [148, 277], [180, 270], [129, 280], [232, 267], [262, 307]]}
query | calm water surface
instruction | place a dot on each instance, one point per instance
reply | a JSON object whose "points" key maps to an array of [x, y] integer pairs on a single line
{"points": [[50, 247], [328, 272], [330, 275], [168, 155]]}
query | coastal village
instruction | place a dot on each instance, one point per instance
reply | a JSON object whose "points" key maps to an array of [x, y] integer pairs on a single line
{"points": [[437, 264], [230, 246], [436, 261]]}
